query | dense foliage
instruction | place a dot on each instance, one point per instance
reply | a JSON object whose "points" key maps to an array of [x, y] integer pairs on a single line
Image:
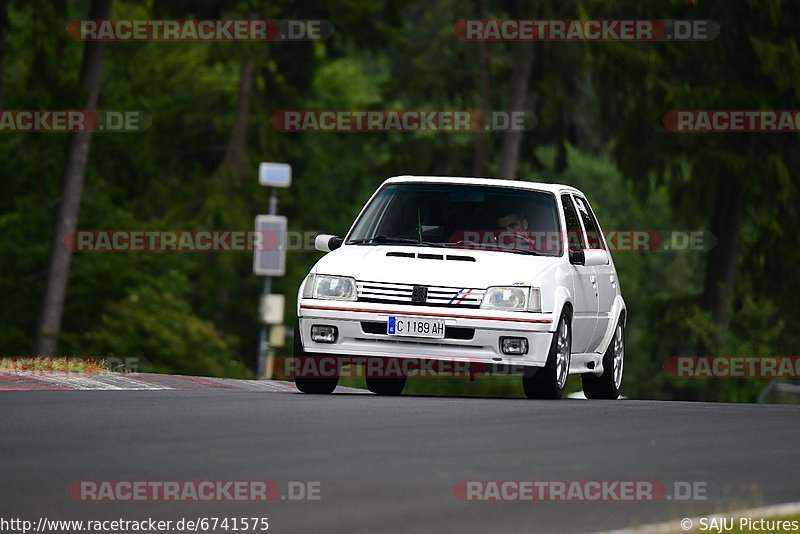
{"points": [[599, 107]]}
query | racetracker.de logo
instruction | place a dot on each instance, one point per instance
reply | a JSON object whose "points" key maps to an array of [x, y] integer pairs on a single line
{"points": [[634, 30], [579, 491], [409, 120], [171, 241], [732, 120], [192, 490], [733, 366], [372, 367], [200, 30], [626, 240], [73, 120]]}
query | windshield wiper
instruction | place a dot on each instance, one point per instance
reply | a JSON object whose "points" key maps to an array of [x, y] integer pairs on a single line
{"points": [[386, 239], [492, 246], [515, 250], [383, 239]]}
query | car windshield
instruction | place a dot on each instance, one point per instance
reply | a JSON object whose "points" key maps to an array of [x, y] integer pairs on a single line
{"points": [[461, 216]]}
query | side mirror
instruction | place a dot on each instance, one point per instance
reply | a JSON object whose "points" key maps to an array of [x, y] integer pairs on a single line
{"points": [[594, 257], [327, 242], [577, 257]]}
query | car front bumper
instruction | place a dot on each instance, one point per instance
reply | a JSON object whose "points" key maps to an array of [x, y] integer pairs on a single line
{"points": [[360, 333]]}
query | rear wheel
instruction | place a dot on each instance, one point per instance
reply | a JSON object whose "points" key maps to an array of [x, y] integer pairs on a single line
{"points": [[606, 386], [548, 382], [307, 377]]}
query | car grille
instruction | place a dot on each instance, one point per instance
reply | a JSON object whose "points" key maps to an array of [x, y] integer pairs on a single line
{"points": [[392, 293]]}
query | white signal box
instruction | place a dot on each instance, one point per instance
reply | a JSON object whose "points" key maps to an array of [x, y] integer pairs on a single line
{"points": [[271, 308], [269, 258], [275, 174]]}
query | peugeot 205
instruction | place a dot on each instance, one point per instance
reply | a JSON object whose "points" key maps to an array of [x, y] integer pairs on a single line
{"points": [[503, 273]]}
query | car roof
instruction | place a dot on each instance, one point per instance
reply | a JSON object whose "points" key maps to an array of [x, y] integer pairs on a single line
{"points": [[519, 184]]}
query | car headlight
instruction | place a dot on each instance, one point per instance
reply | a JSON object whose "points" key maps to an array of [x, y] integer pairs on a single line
{"points": [[512, 298], [323, 286], [308, 287]]}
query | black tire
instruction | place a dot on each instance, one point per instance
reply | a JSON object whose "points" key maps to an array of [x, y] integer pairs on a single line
{"points": [[389, 386], [386, 386], [543, 382], [606, 386], [310, 384]]}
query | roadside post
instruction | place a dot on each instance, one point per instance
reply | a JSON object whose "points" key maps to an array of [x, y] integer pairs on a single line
{"points": [[270, 260]]}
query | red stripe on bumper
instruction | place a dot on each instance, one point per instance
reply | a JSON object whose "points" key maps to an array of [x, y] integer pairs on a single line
{"points": [[426, 314]]}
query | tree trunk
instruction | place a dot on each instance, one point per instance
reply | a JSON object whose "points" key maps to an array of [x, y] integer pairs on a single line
{"points": [[235, 160], [55, 288], [484, 97], [517, 100], [3, 31], [720, 277]]}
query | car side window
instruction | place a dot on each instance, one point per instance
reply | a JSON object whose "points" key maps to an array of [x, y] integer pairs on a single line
{"points": [[590, 223], [574, 230]]}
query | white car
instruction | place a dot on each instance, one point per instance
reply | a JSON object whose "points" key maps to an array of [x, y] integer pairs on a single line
{"points": [[508, 274]]}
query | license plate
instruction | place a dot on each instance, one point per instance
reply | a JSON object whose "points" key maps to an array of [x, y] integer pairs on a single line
{"points": [[415, 327]]}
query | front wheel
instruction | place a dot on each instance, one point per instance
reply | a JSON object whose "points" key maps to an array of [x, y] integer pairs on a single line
{"points": [[606, 386], [548, 382], [389, 386], [307, 377], [319, 386], [386, 386]]}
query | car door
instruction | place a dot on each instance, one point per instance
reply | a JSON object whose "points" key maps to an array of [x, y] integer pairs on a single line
{"points": [[584, 282], [606, 279]]}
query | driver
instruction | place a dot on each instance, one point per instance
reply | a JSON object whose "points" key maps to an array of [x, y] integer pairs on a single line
{"points": [[514, 232], [513, 222]]}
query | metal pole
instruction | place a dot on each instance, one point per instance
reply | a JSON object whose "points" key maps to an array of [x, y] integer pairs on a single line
{"points": [[263, 337]]}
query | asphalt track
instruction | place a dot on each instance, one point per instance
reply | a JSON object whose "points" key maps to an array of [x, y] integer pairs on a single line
{"points": [[389, 464]]}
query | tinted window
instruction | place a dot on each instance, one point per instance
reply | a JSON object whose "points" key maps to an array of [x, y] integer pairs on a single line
{"points": [[574, 231], [589, 222], [457, 215]]}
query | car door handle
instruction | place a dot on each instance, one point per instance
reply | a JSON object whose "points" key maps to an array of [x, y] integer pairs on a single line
{"points": [[613, 281], [593, 279]]}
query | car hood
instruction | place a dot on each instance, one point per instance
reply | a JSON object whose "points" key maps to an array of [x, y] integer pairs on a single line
{"points": [[490, 268]]}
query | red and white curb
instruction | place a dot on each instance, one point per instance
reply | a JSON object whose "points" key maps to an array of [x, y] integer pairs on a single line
{"points": [[52, 380]]}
